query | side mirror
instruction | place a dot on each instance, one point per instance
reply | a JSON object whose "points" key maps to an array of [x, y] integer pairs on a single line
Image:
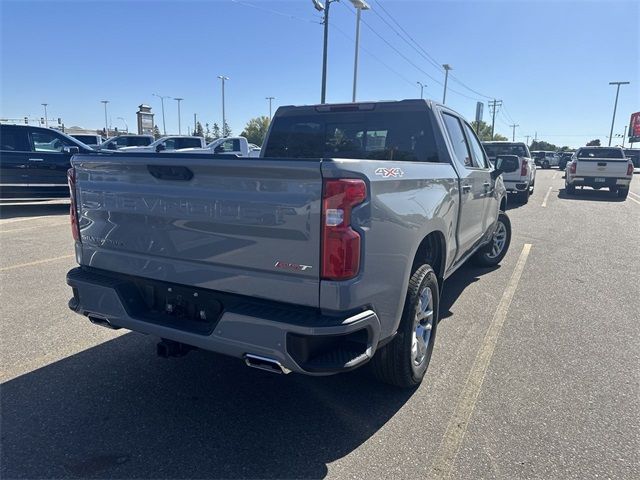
{"points": [[71, 150], [505, 164], [161, 147]]}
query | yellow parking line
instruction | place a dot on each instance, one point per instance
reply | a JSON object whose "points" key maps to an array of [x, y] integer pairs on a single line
{"points": [[442, 466], [37, 262], [546, 197]]}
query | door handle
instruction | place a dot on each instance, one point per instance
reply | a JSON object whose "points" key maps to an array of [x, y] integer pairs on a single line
{"points": [[487, 186], [466, 188], [36, 159]]}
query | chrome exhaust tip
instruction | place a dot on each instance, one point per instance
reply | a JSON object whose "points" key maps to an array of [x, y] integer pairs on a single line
{"points": [[103, 322], [264, 363]]}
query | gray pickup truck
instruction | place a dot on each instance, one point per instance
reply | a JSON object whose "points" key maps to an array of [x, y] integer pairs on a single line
{"points": [[328, 251]]}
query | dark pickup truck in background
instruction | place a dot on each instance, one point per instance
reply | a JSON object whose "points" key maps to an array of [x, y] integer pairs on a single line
{"points": [[328, 251]]}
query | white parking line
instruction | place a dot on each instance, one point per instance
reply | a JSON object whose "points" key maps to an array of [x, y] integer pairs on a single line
{"points": [[7, 230], [37, 262], [546, 197], [445, 458], [633, 200], [13, 220], [634, 194], [554, 176]]}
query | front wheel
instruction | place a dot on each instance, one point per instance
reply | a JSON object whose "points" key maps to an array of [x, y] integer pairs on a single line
{"points": [[403, 362], [493, 253]]}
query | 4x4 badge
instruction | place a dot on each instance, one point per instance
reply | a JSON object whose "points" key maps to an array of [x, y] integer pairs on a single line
{"points": [[389, 172]]}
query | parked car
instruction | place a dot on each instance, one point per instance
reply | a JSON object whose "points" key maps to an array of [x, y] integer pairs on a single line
{"points": [[328, 251], [634, 155], [89, 140], [228, 145], [168, 144], [34, 161], [565, 157], [522, 181], [116, 143], [545, 159], [599, 167]]}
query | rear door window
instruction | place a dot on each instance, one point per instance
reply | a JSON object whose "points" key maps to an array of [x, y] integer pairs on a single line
{"points": [[374, 135], [187, 143], [14, 139], [460, 147]]}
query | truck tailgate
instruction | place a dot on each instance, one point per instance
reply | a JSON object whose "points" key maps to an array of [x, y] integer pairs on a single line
{"points": [[246, 226], [601, 167]]}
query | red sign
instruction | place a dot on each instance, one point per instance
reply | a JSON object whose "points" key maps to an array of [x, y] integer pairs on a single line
{"points": [[634, 128]]}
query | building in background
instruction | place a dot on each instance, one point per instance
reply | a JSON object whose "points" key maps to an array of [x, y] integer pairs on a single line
{"points": [[145, 120]]}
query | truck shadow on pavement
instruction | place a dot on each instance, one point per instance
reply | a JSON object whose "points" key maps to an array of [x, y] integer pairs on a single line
{"points": [[16, 209], [118, 411], [590, 194], [457, 283]]}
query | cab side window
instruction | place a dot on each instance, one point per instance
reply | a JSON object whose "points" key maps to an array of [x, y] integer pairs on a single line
{"points": [[460, 147], [44, 141], [14, 140], [478, 157]]}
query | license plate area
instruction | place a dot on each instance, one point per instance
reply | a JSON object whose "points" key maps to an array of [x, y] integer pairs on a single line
{"points": [[176, 306], [599, 179]]}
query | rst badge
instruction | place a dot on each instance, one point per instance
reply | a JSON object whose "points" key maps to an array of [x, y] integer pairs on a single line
{"points": [[295, 267], [393, 172]]}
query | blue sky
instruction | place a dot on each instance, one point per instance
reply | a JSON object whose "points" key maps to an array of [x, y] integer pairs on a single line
{"points": [[550, 62]]}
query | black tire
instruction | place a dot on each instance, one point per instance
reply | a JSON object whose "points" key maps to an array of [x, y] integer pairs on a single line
{"points": [[395, 363], [485, 257], [545, 165], [523, 196], [570, 189], [623, 193]]}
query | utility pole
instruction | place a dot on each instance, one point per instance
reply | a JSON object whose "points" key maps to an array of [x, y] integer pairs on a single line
{"points": [[528, 137], [46, 120], [179, 120], [324, 8], [422, 85], [493, 105], [359, 6], [224, 118], [615, 106], [106, 125], [513, 136], [624, 135], [446, 67], [270, 99], [164, 125]]}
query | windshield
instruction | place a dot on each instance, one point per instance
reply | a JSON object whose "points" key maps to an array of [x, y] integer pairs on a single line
{"points": [[600, 153], [376, 135], [495, 149]]}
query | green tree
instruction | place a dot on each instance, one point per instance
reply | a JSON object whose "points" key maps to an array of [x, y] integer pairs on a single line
{"points": [[483, 130], [199, 130], [542, 145], [256, 130], [226, 130], [215, 131], [594, 143], [156, 132]]}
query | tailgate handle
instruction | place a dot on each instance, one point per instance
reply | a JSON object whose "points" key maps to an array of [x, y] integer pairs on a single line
{"points": [[170, 172], [602, 164]]}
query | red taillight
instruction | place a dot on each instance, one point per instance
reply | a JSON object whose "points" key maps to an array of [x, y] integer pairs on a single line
{"points": [[73, 210], [340, 243], [630, 169], [523, 168], [572, 167]]}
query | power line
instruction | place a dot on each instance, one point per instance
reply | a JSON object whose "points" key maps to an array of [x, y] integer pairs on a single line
{"points": [[275, 12]]}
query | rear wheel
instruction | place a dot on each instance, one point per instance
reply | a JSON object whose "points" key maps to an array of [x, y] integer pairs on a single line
{"points": [[523, 196], [623, 193], [403, 362], [570, 189], [545, 164], [493, 253]]}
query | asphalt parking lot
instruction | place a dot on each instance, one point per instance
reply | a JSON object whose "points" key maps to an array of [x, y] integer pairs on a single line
{"points": [[535, 374]]}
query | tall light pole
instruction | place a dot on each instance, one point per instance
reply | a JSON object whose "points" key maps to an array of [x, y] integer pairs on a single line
{"points": [[446, 67], [106, 124], [359, 6], [125, 123], [324, 8], [179, 119], [624, 135], [422, 85], [162, 97], [46, 120], [224, 118], [615, 106], [195, 122], [513, 136], [270, 100]]}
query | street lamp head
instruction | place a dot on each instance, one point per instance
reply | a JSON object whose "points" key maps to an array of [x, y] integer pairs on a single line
{"points": [[104, 101], [318, 6], [222, 77], [360, 4], [178, 99], [446, 66]]}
